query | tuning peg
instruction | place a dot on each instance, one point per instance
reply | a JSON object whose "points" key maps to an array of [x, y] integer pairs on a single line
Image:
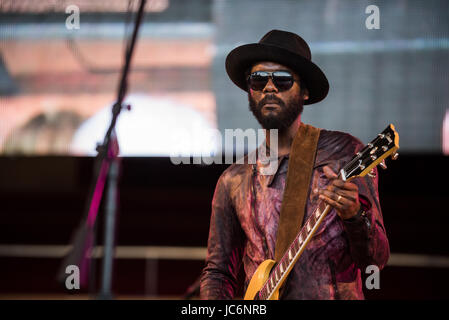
{"points": [[383, 165], [395, 156]]}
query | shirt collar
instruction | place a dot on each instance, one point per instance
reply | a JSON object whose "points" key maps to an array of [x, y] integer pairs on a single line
{"points": [[282, 165]]}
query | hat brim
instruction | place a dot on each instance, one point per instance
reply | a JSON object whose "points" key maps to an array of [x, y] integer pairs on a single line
{"points": [[241, 58]]}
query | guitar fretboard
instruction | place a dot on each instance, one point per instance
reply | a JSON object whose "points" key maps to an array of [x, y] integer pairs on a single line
{"points": [[281, 269]]}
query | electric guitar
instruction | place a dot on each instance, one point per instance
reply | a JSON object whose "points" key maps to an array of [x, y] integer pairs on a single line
{"points": [[270, 276]]}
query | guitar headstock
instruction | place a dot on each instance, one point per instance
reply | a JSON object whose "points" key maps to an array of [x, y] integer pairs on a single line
{"points": [[384, 145]]}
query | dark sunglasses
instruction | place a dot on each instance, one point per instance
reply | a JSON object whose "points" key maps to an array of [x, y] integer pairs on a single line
{"points": [[283, 80]]}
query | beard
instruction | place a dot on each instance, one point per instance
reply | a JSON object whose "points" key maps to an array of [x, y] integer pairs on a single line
{"points": [[289, 112]]}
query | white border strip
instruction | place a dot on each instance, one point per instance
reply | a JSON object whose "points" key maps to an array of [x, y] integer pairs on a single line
{"points": [[418, 260], [359, 47], [106, 30], [189, 253], [122, 252]]}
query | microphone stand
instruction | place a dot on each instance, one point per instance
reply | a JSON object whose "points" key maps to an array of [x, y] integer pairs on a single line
{"points": [[107, 167]]}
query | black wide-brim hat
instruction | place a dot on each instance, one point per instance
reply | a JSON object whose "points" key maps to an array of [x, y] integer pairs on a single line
{"points": [[285, 48]]}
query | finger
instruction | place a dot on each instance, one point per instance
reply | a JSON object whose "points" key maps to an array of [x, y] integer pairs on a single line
{"points": [[342, 200], [330, 187], [348, 194], [345, 185], [331, 202], [338, 185], [329, 173]]}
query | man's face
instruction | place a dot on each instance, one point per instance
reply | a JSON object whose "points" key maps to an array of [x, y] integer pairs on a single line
{"points": [[273, 108]]}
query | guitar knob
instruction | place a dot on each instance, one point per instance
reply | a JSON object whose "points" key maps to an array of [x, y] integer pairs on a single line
{"points": [[383, 165], [395, 156]]}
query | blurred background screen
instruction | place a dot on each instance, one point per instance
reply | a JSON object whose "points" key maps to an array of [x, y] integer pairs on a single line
{"points": [[59, 75]]}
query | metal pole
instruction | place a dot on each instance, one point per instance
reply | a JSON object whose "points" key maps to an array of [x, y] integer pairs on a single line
{"points": [[109, 234]]}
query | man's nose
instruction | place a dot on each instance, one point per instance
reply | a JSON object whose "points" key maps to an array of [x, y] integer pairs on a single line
{"points": [[270, 87]]}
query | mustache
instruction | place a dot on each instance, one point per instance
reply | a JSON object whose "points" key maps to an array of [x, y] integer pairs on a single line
{"points": [[271, 99]]}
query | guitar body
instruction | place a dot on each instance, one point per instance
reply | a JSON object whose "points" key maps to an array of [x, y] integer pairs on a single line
{"points": [[258, 280]]}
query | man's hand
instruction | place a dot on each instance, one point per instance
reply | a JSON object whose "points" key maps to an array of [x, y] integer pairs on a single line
{"points": [[342, 195]]}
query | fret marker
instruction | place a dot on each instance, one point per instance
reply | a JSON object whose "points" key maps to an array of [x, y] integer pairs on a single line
{"points": [[282, 269], [290, 254]]}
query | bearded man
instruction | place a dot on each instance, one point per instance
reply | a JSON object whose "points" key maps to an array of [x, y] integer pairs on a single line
{"points": [[250, 210]]}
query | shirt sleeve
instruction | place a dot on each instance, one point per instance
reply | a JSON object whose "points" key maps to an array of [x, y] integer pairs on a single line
{"points": [[368, 240], [225, 248]]}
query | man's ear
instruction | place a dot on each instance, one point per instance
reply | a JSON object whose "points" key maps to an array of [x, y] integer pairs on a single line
{"points": [[305, 94]]}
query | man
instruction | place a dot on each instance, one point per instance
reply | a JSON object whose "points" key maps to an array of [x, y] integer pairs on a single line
{"points": [[280, 78]]}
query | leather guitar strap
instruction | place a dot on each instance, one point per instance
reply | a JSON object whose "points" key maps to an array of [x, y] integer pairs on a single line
{"points": [[299, 174]]}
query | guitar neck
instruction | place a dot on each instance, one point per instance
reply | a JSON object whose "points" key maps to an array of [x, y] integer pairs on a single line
{"points": [[297, 247]]}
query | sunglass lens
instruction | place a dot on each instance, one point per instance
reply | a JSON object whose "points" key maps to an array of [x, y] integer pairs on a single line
{"points": [[258, 81], [283, 80]]}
